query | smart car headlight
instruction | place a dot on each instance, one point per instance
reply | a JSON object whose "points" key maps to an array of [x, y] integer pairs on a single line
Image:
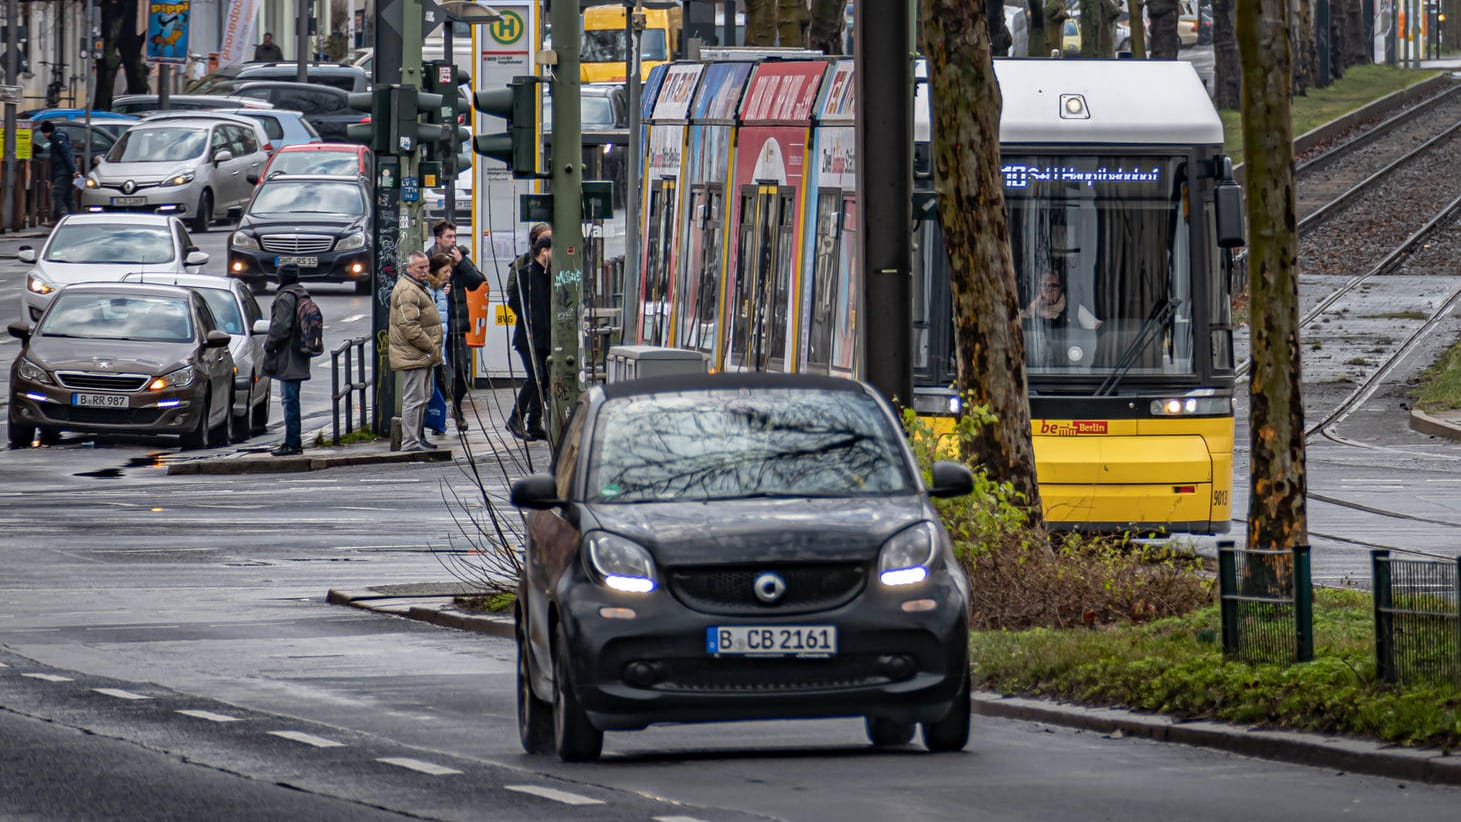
{"points": [[906, 557], [28, 370], [621, 565], [356, 240], [242, 240], [36, 284], [181, 378]]}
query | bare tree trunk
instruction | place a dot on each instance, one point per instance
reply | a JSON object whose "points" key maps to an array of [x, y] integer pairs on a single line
{"points": [[1356, 50], [1090, 25], [825, 31], [1135, 20], [1225, 72], [121, 49], [1054, 14], [991, 359], [760, 23], [1336, 41], [791, 23], [1035, 36], [1000, 38], [1163, 14], [1305, 54], [1277, 516]]}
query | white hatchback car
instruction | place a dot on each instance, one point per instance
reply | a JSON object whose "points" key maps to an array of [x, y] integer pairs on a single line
{"points": [[236, 311], [104, 248]]}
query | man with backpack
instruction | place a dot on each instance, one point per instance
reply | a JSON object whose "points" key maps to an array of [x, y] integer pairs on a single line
{"points": [[296, 333]]}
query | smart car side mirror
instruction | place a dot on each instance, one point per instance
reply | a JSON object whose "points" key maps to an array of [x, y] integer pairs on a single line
{"points": [[538, 491], [217, 339], [261, 327], [20, 329], [950, 479], [26, 254], [196, 258]]}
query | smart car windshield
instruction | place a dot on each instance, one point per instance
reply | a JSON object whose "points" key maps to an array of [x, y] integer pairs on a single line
{"points": [[308, 197], [99, 316], [110, 244], [158, 145], [709, 445]]}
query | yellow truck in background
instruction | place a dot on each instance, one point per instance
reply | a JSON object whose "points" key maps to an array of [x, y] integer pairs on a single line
{"points": [[604, 45]]}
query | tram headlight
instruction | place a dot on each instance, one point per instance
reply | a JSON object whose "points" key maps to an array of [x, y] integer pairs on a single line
{"points": [[938, 404], [1193, 407]]}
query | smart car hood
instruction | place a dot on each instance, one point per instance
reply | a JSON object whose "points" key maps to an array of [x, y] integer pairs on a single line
{"points": [[121, 356], [761, 530]]}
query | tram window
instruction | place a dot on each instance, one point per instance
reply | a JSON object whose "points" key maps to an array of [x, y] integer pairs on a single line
{"points": [[1101, 248], [763, 260], [844, 340], [819, 314], [656, 286], [687, 291], [779, 280], [1220, 304], [709, 290], [740, 309]]}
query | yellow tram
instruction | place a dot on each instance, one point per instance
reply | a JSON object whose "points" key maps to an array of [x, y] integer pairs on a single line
{"points": [[1118, 213]]}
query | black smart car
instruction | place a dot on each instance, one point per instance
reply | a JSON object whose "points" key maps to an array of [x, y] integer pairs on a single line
{"points": [[321, 224], [740, 546]]}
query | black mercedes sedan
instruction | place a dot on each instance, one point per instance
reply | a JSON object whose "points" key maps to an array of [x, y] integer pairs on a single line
{"points": [[122, 358], [738, 546], [321, 224]]}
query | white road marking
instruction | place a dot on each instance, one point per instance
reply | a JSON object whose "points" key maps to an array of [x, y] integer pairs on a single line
{"points": [[353, 318], [3, 665], [127, 627], [554, 794], [119, 693], [391, 479], [678, 819], [210, 716], [308, 739], [418, 765], [50, 677]]}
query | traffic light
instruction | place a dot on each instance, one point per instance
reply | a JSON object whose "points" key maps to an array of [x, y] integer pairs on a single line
{"points": [[518, 105], [374, 130], [408, 105], [442, 78]]}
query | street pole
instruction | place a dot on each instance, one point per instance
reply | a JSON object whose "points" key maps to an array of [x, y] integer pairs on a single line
{"points": [[567, 176], [413, 226], [12, 77], [448, 50], [88, 40], [164, 82], [301, 41], [884, 99], [389, 21], [629, 288]]}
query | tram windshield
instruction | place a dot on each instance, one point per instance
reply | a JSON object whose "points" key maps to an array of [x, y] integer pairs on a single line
{"points": [[1101, 248]]}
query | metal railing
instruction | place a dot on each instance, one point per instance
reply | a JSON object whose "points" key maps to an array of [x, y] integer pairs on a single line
{"points": [[1417, 617], [1267, 604], [356, 381]]}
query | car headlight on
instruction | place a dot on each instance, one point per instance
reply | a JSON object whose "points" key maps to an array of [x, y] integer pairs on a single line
{"points": [[356, 240], [1192, 407], [28, 370], [181, 378], [36, 284], [621, 565], [242, 240], [178, 179], [92, 183], [906, 557]]}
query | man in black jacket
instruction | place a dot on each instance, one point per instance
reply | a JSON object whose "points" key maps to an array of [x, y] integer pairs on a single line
{"points": [[464, 278], [63, 170], [531, 302], [284, 357]]}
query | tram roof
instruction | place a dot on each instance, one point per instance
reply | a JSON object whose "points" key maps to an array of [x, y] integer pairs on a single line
{"points": [[1122, 101]]}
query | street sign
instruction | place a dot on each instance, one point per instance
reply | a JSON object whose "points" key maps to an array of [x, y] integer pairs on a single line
{"points": [[11, 94], [410, 190]]}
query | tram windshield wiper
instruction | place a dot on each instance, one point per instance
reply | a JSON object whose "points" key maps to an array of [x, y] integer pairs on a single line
{"points": [[1160, 315]]}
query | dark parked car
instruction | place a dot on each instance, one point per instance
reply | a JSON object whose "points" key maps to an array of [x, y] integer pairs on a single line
{"points": [[341, 76], [738, 546], [122, 358], [325, 107], [321, 224], [138, 104]]}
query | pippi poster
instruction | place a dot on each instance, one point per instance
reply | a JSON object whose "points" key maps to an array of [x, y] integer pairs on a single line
{"points": [[167, 31]]}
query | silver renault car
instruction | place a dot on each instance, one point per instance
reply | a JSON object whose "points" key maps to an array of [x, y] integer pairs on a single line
{"points": [[196, 168]]}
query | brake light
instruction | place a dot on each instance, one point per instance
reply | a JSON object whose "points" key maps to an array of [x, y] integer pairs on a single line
{"points": [[269, 147]]}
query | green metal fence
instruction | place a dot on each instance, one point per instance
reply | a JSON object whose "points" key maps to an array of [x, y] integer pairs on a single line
{"points": [[1417, 617], [1267, 604]]}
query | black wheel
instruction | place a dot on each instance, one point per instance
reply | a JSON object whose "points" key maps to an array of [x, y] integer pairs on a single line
{"points": [[239, 425], [362, 286], [952, 732], [534, 716], [198, 437], [260, 416], [218, 434], [48, 435], [574, 737], [21, 434], [889, 733], [204, 218]]}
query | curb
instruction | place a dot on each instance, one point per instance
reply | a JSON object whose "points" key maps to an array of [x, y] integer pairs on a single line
{"points": [[266, 464], [435, 609], [1424, 423], [1340, 753]]}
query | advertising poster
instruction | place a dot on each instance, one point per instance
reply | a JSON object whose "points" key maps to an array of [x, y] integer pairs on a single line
{"points": [[167, 32], [237, 43]]}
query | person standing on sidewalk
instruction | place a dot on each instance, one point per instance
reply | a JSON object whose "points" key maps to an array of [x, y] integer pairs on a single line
{"points": [[464, 277], [284, 356], [532, 339], [415, 347], [63, 170]]}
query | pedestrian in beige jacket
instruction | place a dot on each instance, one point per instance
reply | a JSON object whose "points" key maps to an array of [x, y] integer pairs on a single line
{"points": [[415, 347]]}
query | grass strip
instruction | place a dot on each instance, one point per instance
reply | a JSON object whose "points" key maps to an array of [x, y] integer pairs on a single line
{"points": [[1439, 388]]}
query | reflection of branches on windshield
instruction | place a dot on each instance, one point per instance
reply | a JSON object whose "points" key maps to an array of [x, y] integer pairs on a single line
{"points": [[736, 449]]}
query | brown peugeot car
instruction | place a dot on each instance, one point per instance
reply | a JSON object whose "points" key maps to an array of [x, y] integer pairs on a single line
{"points": [[126, 358]]}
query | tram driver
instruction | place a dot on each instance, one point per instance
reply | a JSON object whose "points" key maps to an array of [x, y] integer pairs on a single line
{"points": [[1052, 310], [1059, 332]]}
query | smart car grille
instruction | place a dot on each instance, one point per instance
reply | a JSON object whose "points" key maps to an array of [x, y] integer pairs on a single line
{"points": [[769, 675], [297, 243], [732, 589], [102, 382]]}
